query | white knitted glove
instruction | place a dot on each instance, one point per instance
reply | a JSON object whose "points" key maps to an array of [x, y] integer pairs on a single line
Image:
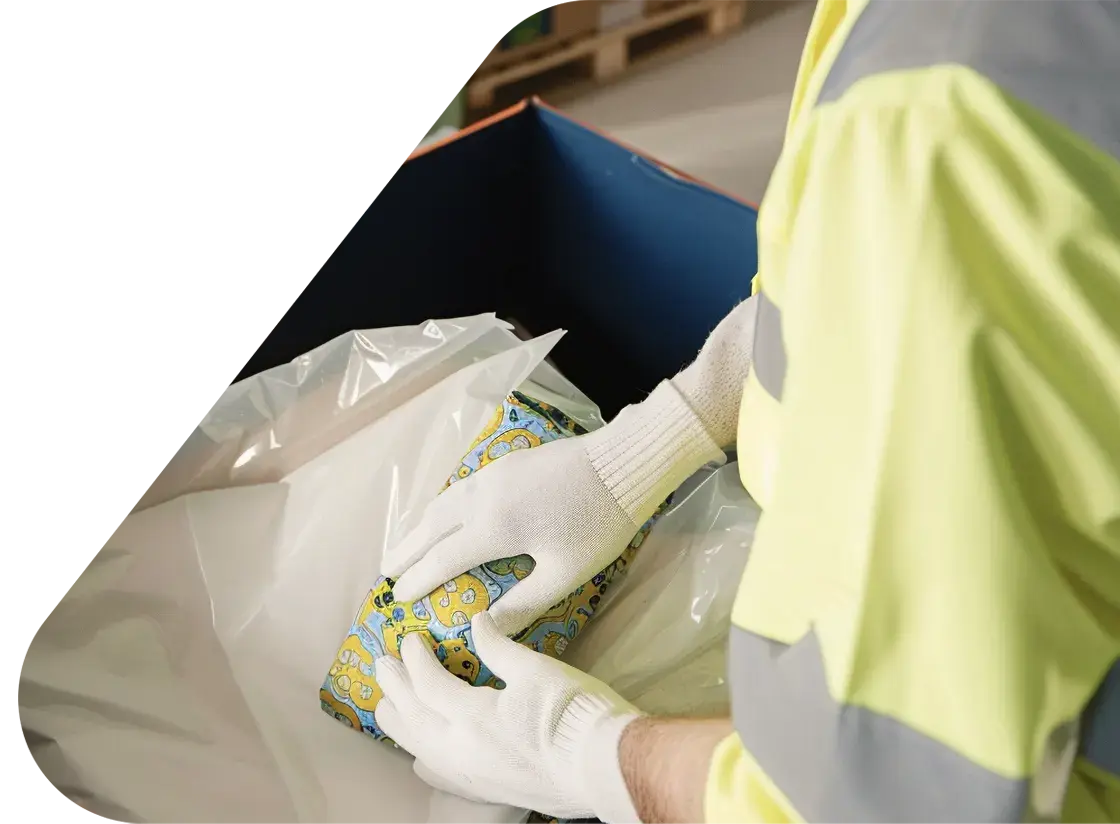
{"points": [[547, 742], [574, 504]]}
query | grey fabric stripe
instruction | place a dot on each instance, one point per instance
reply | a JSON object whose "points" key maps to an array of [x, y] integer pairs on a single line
{"points": [[1061, 57], [769, 357], [844, 763], [1100, 736]]}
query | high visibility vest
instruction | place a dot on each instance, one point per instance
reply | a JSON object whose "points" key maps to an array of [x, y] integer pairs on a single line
{"points": [[928, 628]]}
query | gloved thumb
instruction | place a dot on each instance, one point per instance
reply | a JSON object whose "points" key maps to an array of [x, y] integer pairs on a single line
{"points": [[446, 783], [414, 546], [443, 516], [531, 598], [452, 553], [506, 658]]}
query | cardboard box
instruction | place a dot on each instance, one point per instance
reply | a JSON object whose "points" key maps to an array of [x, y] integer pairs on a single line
{"points": [[560, 22], [575, 19], [544, 31], [539, 218], [530, 215], [528, 30], [616, 13]]}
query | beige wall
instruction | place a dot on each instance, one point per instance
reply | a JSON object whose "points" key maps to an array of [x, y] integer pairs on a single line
{"points": [[272, 120], [296, 13], [134, 283], [309, 93]]}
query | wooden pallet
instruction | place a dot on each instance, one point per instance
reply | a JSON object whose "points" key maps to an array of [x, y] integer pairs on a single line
{"points": [[607, 52]]}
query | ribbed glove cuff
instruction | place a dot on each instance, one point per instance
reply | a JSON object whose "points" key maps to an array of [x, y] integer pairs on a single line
{"points": [[649, 450], [594, 733]]}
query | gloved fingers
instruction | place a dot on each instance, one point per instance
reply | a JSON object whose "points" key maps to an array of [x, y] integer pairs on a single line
{"points": [[439, 522], [531, 598], [433, 685], [392, 677], [452, 784], [396, 686], [506, 658], [453, 554], [444, 515], [394, 725]]}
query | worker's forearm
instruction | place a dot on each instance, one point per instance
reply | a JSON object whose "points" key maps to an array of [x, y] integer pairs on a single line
{"points": [[665, 763], [713, 383]]}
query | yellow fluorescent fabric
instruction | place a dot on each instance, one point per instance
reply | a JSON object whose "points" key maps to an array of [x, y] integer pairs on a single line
{"points": [[1093, 795], [758, 456], [738, 791], [944, 511], [832, 22]]}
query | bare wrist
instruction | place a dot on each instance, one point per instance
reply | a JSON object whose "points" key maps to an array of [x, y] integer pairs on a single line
{"points": [[603, 779], [665, 763]]}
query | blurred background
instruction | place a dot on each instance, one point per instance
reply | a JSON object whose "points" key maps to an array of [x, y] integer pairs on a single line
{"points": [[168, 172]]}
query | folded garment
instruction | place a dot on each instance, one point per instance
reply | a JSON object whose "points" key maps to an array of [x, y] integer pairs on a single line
{"points": [[350, 692]]}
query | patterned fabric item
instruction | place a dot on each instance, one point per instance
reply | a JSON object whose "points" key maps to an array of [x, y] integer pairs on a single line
{"points": [[350, 692]]}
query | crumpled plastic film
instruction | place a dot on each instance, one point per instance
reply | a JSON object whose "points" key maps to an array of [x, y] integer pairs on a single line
{"points": [[266, 426], [177, 680], [660, 637]]}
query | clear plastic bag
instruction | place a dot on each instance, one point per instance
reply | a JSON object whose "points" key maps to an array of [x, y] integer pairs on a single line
{"points": [[178, 678], [660, 637]]}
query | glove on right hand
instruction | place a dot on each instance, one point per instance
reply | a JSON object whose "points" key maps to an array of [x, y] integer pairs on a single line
{"points": [[572, 505]]}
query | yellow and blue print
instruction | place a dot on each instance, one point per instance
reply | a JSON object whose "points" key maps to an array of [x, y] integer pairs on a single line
{"points": [[350, 692]]}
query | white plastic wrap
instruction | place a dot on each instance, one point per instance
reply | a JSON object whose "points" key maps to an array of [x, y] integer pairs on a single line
{"points": [[178, 679], [660, 638]]}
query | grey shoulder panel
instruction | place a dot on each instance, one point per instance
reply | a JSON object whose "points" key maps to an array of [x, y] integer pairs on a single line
{"points": [[837, 762], [769, 361], [1060, 56]]}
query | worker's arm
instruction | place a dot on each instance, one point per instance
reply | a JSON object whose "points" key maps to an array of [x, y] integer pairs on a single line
{"points": [[665, 763], [934, 591], [554, 740]]}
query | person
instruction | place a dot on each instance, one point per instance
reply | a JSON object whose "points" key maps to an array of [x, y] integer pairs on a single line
{"points": [[926, 387]]}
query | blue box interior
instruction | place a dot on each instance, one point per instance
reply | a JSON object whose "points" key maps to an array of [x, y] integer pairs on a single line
{"points": [[539, 219], [534, 217]]}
